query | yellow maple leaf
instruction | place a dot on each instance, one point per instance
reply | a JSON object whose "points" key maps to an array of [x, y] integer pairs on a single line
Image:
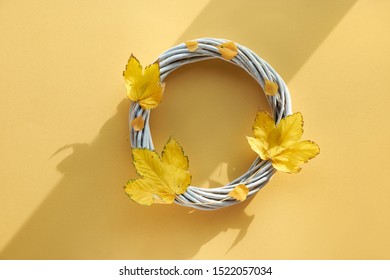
{"points": [[162, 178], [192, 45], [138, 123], [281, 144], [143, 85], [240, 192], [270, 87], [228, 50]]}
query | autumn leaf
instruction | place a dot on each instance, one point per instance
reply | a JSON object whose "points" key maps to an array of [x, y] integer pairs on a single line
{"points": [[240, 192], [281, 143], [228, 50], [192, 45], [143, 85], [270, 87], [162, 178], [138, 123]]}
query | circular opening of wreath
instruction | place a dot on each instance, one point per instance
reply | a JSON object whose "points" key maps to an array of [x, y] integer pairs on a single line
{"points": [[165, 178]]}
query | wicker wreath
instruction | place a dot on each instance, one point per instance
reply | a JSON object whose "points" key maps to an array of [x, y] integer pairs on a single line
{"points": [[261, 171]]}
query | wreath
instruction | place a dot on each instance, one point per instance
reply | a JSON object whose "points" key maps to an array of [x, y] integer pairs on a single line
{"points": [[165, 179]]}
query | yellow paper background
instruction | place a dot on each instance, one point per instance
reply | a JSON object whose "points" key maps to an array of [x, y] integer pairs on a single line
{"points": [[64, 135]]}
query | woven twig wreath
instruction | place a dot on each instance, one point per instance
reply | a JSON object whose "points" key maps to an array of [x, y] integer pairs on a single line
{"points": [[261, 171]]}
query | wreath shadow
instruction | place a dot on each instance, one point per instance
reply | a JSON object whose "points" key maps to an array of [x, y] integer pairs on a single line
{"points": [[88, 216]]}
